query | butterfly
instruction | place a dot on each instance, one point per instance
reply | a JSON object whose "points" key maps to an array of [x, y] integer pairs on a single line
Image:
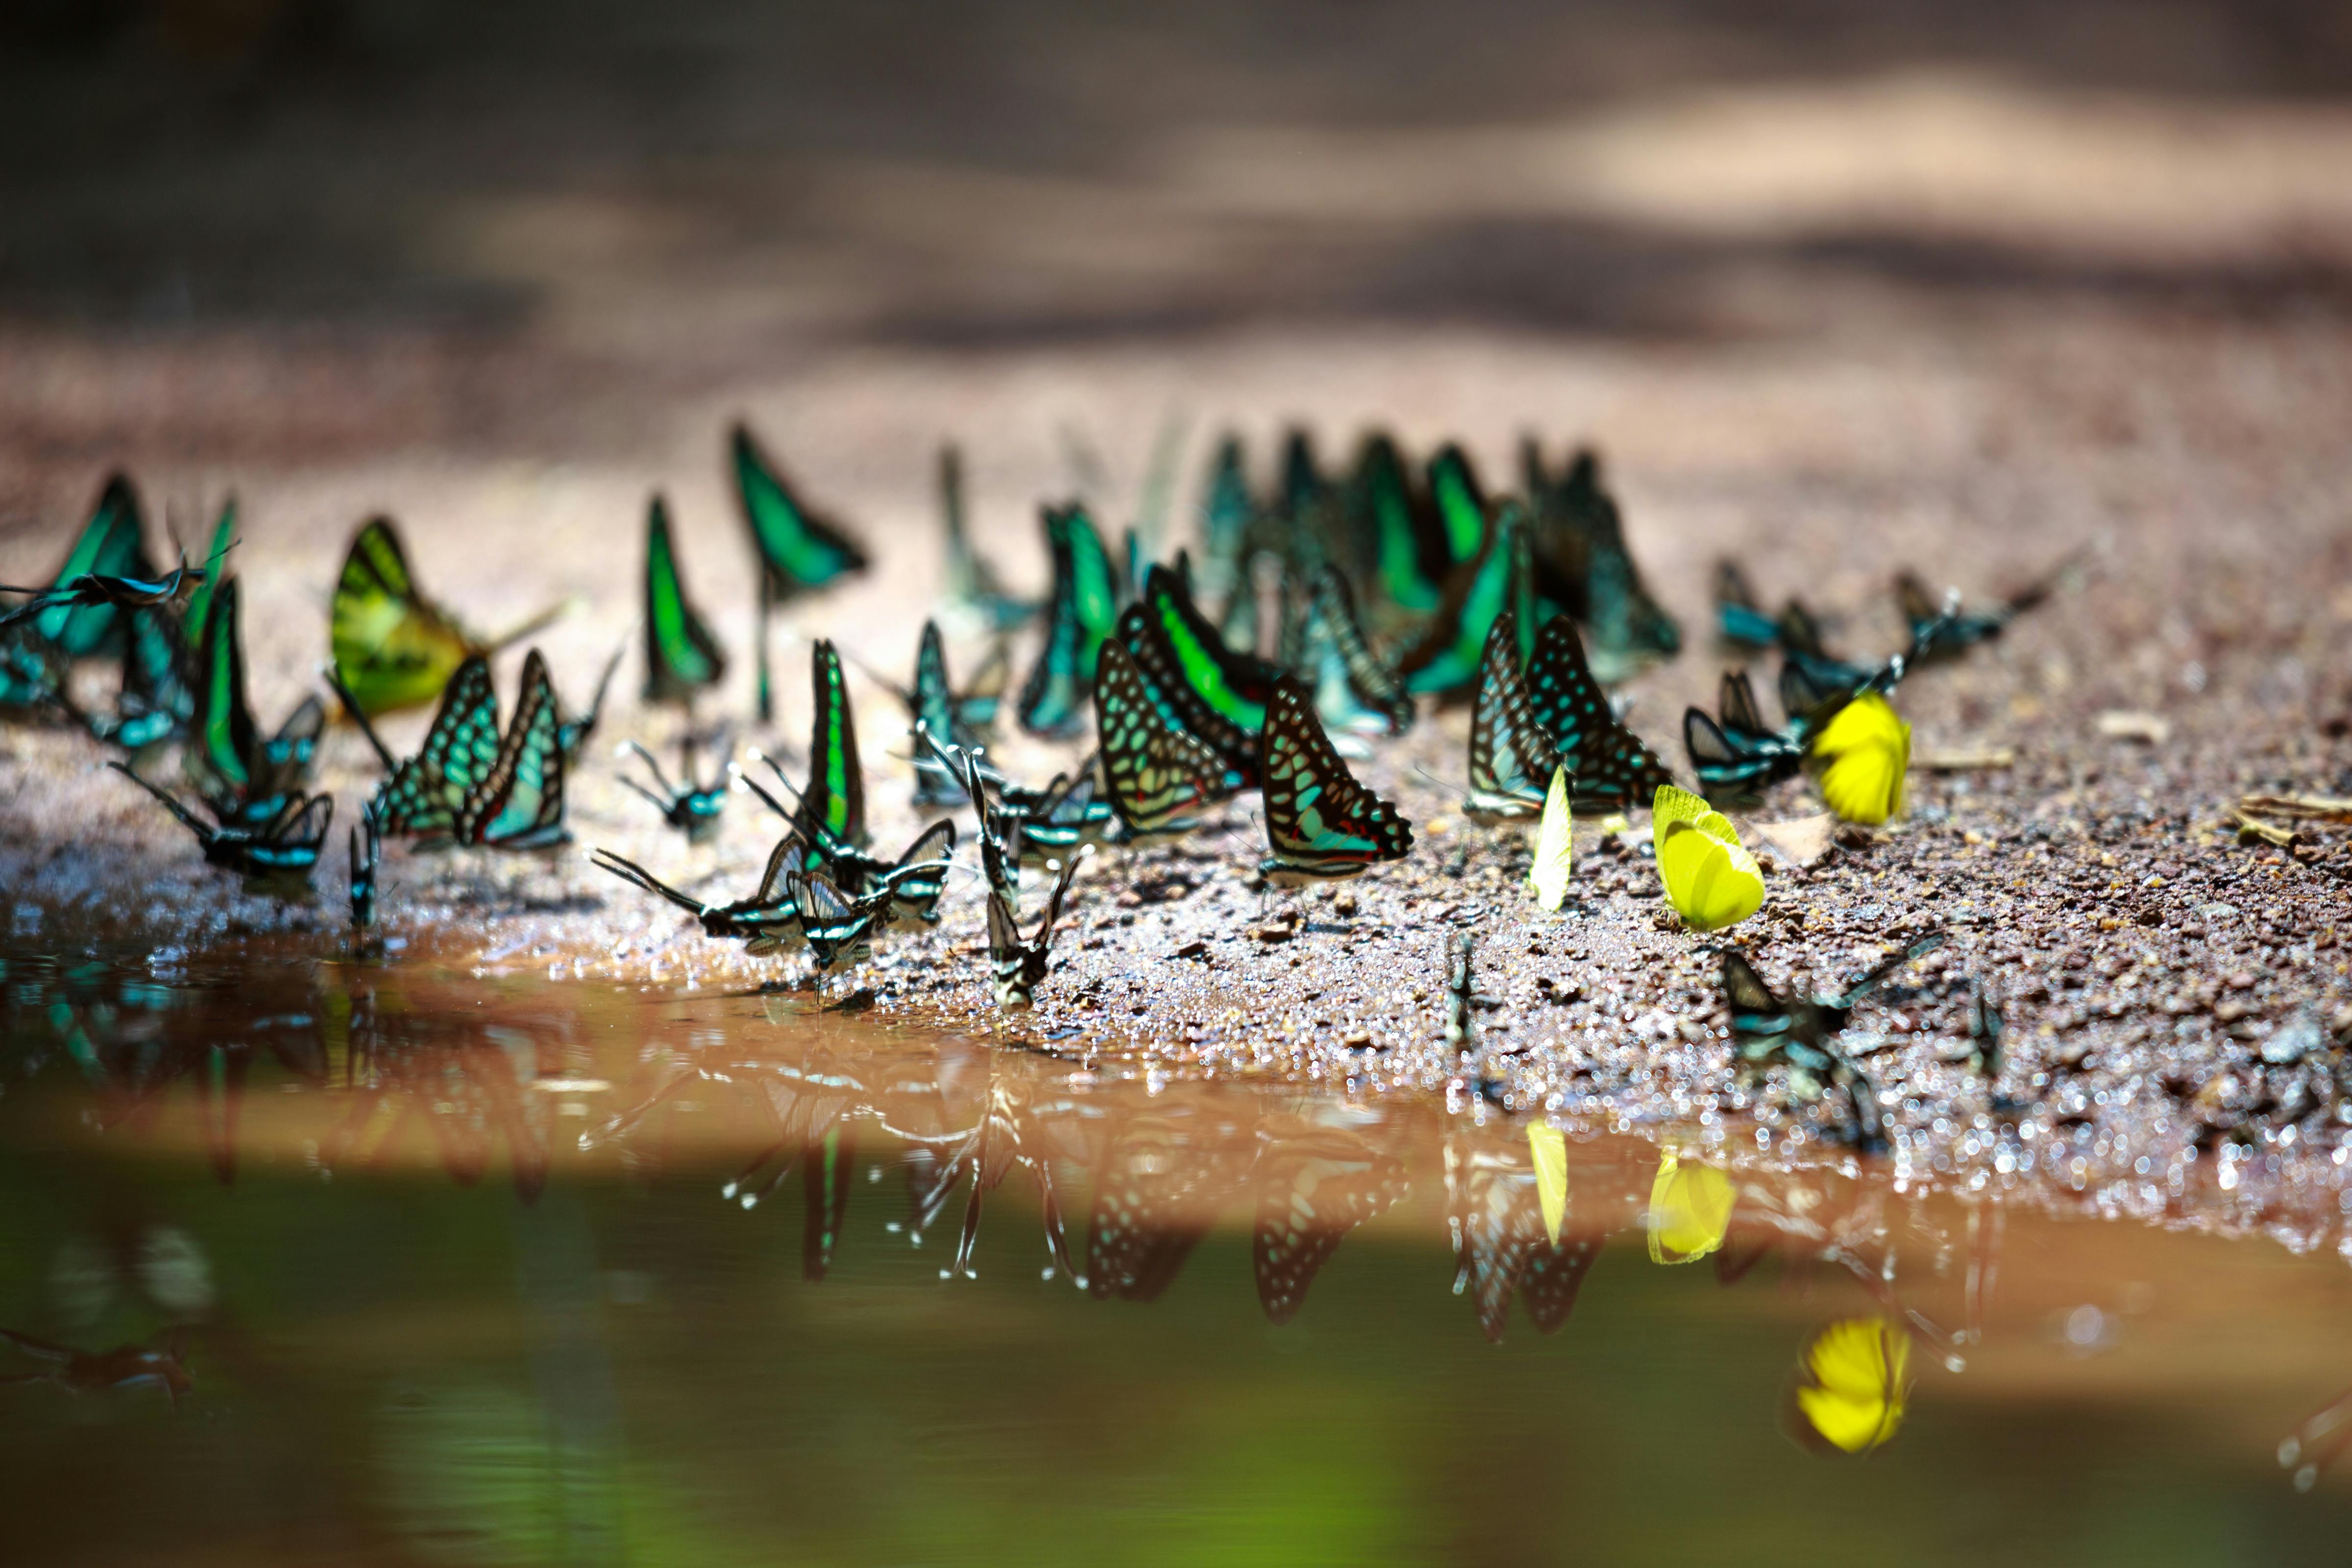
{"points": [[999, 843], [31, 675], [1984, 1024], [201, 601], [1860, 757], [1711, 878], [1512, 757], [420, 797], [1690, 1209], [1208, 691], [1227, 507], [1811, 691], [682, 656], [834, 799], [1353, 689], [916, 878], [517, 803], [366, 846], [1581, 534], [1061, 816], [243, 777], [1082, 611], [94, 590], [1448, 654], [690, 805], [1314, 1185], [157, 697], [110, 544], [1156, 1189], [1321, 824], [1738, 758], [972, 584], [1941, 630], [1739, 619], [1607, 763], [1157, 778], [839, 930], [1395, 524], [937, 710], [1800, 1033], [286, 845], [572, 733], [1555, 857], [1018, 965], [1855, 1384], [1503, 1246], [1462, 513], [393, 647], [765, 921], [800, 551]]}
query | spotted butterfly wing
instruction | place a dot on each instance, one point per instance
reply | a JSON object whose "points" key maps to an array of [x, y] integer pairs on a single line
{"points": [[423, 795], [1201, 686], [519, 803], [1610, 766], [682, 655], [1353, 687], [1320, 822], [1158, 777], [1314, 1186], [1154, 1200], [1511, 756]]}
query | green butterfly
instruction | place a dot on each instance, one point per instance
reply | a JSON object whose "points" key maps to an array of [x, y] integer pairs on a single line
{"points": [[936, 708], [1082, 612], [1209, 690], [1061, 816], [1581, 539], [200, 603], [1321, 825], [392, 647], [690, 805], [111, 545], [519, 803], [1941, 630], [1354, 689], [916, 878], [243, 777], [799, 550], [284, 846], [1511, 755], [835, 800], [972, 583], [1607, 762], [1158, 777], [682, 656], [31, 675], [766, 922], [1019, 965], [422, 797], [1460, 501], [1446, 656], [1393, 524]]}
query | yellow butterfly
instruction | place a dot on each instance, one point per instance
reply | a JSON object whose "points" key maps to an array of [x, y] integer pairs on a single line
{"points": [[394, 648], [1858, 1380], [1861, 756], [1550, 1148], [1710, 879], [1555, 847], [1690, 1210]]}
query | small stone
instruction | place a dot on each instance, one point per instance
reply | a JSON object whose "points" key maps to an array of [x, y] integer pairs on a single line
{"points": [[1274, 931], [2243, 980], [1343, 903], [2295, 1040], [1194, 949]]}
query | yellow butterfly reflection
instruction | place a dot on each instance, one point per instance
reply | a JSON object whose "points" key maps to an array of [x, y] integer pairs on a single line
{"points": [[1690, 1210], [1555, 847], [1861, 756], [1550, 1147], [1857, 1380], [1710, 879]]}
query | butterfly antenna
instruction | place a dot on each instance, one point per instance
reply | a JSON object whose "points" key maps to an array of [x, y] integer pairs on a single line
{"points": [[652, 766], [358, 715], [538, 622]]}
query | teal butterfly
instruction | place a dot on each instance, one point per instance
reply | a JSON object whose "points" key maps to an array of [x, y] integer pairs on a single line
{"points": [[1511, 755], [916, 878], [1354, 689], [243, 777], [1739, 756], [1463, 514], [1609, 766], [1321, 825], [1315, 1184], [286, 846], [1502, 1247], [1064, 814], [1800, 1033], [1941, 630], [422, 797], [1207, 689], [519, 803], [1740, 618], [366, 849], [111, 544], [1580, 536], [766, 922], [32, 676], [690, 805], [972, 583], [1019, 965], [200, 603], [1227, 508], [1158, 778], [682, 655], [1394, 524], [800, 551], [1446, 656], [839, 930], [157, 697], [834, 800], [957, 719], [1083, 611]]}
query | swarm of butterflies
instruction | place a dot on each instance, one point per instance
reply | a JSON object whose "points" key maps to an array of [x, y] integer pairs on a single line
{"points": [[1318, 617]]}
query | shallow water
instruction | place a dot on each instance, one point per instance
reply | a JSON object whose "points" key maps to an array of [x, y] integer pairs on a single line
{"points": [[413, 1264]]}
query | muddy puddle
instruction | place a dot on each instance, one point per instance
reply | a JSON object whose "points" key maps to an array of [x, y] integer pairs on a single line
{"points": [[406, 1263]]}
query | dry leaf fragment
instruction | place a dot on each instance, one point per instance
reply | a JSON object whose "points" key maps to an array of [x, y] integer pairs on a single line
{"points": [[2123, 724]]}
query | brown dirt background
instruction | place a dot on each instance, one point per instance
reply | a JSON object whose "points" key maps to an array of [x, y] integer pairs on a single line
{"points": [[1836, 288]]}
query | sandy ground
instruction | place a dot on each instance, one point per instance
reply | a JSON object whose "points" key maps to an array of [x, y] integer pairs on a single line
{"points": [[1918, 308]]}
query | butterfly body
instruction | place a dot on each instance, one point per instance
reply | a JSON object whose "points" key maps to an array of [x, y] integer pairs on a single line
{"points": [[1019, 965], [839, 930], [284, 847], [767, 920], [1321, 825], [690, 805]]}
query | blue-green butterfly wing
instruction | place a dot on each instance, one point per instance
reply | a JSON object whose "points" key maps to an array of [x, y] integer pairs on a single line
{"points": [[423, 795], [519, 803], [682, 656], [1156, 775], [1610, 766], [799, 550], [1315, 810]]}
